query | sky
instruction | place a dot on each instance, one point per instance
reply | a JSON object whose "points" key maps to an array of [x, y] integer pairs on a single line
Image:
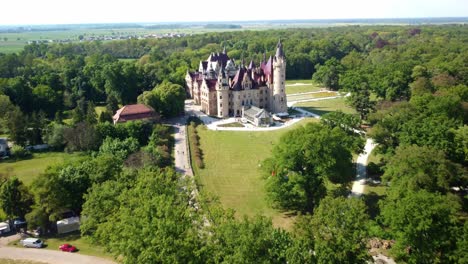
{"points": [[14, 12]]}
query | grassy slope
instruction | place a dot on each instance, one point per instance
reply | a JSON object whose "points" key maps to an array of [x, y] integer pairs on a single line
{"points": [[232, 170], [326, 106], [27, 170]]}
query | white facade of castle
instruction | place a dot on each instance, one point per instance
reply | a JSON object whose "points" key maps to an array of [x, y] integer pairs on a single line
{"points": [[223, 89]]}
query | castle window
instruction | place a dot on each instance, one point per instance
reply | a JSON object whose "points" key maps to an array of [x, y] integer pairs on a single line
{"points": [[221, 97], [282, 99], [220, 105], [261, 92], [242, 102]]}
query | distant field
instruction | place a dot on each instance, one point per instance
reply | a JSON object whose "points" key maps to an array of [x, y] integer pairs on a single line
{"points": [[14, 42], [232, 170], [27, 170], [326, 106]]}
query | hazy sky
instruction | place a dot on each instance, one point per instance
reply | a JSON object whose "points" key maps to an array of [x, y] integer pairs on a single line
{"points": [[104, 11]]}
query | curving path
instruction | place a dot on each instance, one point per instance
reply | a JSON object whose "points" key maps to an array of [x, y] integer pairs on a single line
{"points": [[361, 172]]}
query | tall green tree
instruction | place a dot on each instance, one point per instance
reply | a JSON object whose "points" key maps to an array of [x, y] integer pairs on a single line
{"points": [[423, 225], [340, 231], [15, 198], [302, 161]]}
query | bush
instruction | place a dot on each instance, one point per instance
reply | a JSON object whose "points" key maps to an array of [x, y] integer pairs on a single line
{"points": [[18, 152]]}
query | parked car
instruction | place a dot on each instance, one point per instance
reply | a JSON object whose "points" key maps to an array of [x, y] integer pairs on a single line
{"points": [[68, 248], [32, 242]]}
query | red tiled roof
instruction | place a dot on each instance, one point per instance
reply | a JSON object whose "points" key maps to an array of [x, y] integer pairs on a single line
{"points": [[133, 112]]}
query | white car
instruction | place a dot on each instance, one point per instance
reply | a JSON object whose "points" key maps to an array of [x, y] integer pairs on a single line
{"points": [[32, 242]]}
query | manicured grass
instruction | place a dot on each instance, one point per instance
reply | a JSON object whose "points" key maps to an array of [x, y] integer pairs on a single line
{"points": [[19, 261], [83, 244], [302, 88], [309, 81], [326, 106], [311, 96], [232, 170], [27, 170], [233, 124]]}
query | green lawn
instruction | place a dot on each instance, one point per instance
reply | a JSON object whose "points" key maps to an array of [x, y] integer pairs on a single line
{"points": [[233, 124], [293, 89], [27, 170], [326, 106], [84, 246], [311, 96], [308, 81], [232, 172]]}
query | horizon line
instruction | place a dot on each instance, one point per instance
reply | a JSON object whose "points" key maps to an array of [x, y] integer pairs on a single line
{"points": [[233, 21]]}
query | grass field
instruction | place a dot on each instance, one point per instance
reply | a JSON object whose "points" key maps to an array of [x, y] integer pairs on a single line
{"points": [[311, 96], [83, 245], [27, 170], [232, 170], [308, 81], [326, 106], [310, 87]]}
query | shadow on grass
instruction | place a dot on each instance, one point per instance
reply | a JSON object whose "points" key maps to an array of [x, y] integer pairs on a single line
{"points": [[315, 110]]}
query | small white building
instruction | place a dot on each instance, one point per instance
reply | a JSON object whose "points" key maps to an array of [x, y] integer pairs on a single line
{"points": [[256, 116], [68, 225]]}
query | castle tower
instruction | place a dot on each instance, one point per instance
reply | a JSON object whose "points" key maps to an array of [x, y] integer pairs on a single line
{"points": [[222, 94], [278, 98]]}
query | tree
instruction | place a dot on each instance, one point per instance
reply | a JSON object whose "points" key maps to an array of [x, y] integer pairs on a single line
{"points": [[301, 162], [360, 100], [168, 230], [15, 198], [167, 99], [81, 137], [328, 74], [17, 124], [413, 168], [119, 148], [340, 231], [423, 225]]}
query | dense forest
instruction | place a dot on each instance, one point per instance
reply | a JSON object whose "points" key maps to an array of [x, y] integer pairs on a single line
{"points": [[408, 84]]}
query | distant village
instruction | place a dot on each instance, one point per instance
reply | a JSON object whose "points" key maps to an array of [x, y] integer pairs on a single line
{"points": [[82, 38]]}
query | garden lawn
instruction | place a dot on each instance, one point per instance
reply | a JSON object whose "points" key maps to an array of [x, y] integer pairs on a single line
{"points": [[298, 97], [326, 106], [27, 170], [232, 170], [302, 88]]}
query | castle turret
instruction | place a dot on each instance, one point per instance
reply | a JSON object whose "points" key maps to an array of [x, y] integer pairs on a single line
{"points": [[222, 94], [278, 98]]}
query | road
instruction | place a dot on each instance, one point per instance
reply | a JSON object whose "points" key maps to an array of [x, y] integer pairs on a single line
{"points": [[361, 171], [46, 255]]}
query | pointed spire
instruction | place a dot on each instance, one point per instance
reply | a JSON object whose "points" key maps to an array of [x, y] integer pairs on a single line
{"points": [[264, 57], [251, 65], [224, 50], [279, 50]]}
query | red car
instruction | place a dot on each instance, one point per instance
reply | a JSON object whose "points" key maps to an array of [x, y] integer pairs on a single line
{"points": [[68, 248]]}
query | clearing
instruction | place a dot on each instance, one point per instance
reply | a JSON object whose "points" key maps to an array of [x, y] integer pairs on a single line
{"points": [[27, 170], [302, 86]]}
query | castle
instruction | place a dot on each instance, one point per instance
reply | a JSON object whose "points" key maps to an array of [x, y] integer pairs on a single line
{"points": [[224, 89]]}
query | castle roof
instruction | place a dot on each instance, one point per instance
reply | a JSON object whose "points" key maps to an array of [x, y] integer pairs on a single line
{"points": [[279, 50], [211, 84]]}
